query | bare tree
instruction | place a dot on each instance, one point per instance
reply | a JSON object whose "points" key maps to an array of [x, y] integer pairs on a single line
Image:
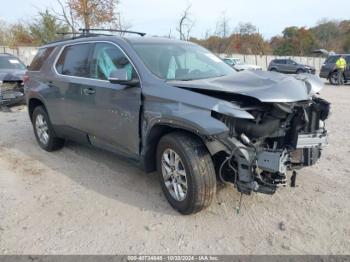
{"points": [[66, 15], [247, 29], [89, 13], [186, 24], [222, 26]]}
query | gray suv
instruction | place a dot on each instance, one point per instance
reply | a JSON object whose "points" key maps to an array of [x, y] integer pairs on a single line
{"points": [[176, 108], [289, 66]]}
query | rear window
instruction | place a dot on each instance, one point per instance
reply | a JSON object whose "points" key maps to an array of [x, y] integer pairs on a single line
{"points": [[74, 60], [38, 61], [279, 61], [332, 59], [9, 62]]}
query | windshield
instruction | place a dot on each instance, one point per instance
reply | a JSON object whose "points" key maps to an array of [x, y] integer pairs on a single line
{"points": [[11, 63], [181, 61]]}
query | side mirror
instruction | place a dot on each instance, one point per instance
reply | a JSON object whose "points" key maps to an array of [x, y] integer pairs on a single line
{"points": [[120, 77]]}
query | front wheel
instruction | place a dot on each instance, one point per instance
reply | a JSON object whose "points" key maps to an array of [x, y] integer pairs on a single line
{"points": [[186, 172]]}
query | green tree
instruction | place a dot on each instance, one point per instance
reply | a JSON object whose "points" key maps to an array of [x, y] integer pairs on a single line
{"points": [[45, 28], [295, 41]]}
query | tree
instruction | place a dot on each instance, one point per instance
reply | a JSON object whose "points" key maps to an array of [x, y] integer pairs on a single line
{"points": [[222, 26], [185, 24], [295, 41], [44, 29], [3, 32], [89, 13], [246, 29], [18, 34]]}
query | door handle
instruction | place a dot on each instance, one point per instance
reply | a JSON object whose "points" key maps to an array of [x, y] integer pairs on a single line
{"points": [[88, 91]]}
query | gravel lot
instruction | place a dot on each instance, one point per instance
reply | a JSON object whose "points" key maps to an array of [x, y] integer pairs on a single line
{"points": [[85, 201]]}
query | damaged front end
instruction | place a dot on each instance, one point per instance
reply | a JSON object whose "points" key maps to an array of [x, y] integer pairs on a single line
{"points": [[10, 94], [279, 138]]}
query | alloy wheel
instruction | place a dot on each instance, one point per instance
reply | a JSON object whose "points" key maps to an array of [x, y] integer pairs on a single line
{"points": [[174, 174]]}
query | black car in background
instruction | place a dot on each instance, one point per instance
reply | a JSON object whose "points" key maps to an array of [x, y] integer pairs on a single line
{"points": [[289, 66], [12, 71], [329, 70]]}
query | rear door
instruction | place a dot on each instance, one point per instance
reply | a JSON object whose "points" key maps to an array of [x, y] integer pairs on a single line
{"points": [[283, 67], [108, 113], [73, 68]]}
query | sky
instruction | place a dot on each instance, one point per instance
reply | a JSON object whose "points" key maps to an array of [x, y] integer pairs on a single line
{"points": [[158, 17]]}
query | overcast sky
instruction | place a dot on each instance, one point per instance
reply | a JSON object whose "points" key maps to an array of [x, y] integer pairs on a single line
{"points": [[157, 17]]}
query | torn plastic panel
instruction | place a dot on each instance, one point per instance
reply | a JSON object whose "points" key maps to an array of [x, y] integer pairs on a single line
{"points": [[260, 163]]}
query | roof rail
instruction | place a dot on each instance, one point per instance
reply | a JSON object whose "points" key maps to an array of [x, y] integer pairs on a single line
{"points": [[87, 31]]}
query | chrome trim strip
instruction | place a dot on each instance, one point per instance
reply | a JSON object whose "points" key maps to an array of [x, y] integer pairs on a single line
{"points": [[91, 42]]}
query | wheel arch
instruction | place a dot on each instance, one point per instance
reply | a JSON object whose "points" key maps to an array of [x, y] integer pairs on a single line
{"points": [[153, 137], [32, 104]]}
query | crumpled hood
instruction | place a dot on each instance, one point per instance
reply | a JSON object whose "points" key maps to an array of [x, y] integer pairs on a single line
{"points": [[262, 85], [11, 74]]}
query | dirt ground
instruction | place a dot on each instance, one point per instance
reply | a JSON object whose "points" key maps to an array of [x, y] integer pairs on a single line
{"points": [[85, 201]]}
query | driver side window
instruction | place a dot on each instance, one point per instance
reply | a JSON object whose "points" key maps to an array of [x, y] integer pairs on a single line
{"points": [[108, 58]]}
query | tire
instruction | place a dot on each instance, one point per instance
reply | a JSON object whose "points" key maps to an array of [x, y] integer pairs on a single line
{"points": [[300, 71], [274, 70], [41, 123], [196, 162], [333, 78]]}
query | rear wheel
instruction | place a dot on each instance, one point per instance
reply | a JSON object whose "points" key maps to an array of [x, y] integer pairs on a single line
{"points": [[44, 132], [186, 172], [333, 78], [273, 70]]}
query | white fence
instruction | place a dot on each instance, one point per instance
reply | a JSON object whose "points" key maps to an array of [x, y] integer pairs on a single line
{"points": [[26, 54]]}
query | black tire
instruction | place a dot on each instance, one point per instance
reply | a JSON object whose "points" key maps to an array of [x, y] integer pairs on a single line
{"points": [[53, 143], [274, 70], [333, 78], [199, 169], [300, 71]]}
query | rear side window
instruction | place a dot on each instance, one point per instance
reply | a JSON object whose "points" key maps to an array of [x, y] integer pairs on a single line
{"points": [[39, 59], [74, 60]]}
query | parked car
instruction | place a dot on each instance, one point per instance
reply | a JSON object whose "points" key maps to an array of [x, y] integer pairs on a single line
{"points": [[175, 107], [329, 70], [289, 66], [238, 65], [11, 79]]}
